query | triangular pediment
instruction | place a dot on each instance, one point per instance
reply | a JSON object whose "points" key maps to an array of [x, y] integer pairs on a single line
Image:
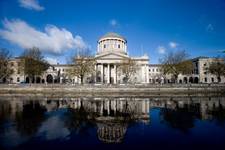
{"points": [[111, 56]]}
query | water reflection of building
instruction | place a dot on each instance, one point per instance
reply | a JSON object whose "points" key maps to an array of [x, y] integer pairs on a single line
{"points": [[112, 117], [110, 107]]}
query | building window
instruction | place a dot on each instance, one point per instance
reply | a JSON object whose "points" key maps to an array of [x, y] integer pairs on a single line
{"points": [[205, 79], [157, 70], [205, 72], [18, 71], [118, 45], [18, 79], [205, 64], [212, 79], [12, 64], [153, 70], [196, 64], [104, 46], [149, 70]]}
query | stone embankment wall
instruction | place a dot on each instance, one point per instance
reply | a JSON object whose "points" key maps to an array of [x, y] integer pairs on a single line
{"points": [[56, 90]]}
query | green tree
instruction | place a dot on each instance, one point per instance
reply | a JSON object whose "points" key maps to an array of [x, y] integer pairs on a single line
{"points": [[33, 63], [176, 63], [5, 70]]}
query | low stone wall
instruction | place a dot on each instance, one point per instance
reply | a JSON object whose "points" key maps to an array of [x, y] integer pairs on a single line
{"points": [[55, 90]]}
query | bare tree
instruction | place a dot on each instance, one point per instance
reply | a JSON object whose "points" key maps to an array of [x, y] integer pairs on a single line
{"points": [[128, 67], [83, 65], [217, 68], [33, 63], [5, 70], [176, 63]]}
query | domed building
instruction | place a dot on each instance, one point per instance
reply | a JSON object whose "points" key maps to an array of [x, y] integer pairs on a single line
{"points": [[111, 52]]}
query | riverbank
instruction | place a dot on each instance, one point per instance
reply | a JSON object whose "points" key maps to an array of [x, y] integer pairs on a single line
{"points": [[56, 90]]}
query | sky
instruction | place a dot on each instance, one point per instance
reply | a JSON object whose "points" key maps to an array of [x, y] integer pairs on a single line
{"points": [[152, 27]]}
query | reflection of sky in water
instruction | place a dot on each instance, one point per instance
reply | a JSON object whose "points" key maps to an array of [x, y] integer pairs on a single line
{"points": [[53, 128], [205, 134]]}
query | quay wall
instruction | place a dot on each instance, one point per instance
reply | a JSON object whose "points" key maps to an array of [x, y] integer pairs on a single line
{"points": [[55, 90]]}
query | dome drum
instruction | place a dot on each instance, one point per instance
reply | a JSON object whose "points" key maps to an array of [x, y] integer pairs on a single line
{"points": [[112, 42]]}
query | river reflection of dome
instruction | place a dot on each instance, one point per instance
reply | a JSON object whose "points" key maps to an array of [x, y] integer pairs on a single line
{"points": [[111, 132]]}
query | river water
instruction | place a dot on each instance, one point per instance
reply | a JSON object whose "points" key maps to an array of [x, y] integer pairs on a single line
{"points": [[112, 123]]}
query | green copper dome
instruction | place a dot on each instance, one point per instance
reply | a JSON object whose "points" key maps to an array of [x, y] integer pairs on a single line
{"points": [[112, 35]]}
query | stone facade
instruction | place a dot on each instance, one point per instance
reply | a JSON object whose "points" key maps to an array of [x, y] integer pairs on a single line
{"points": [[199, 73]]}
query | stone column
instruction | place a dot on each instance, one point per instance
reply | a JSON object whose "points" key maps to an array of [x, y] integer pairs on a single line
{"points": [[143, 107], [148, 106], [113, 106], [108, 78], [108, 108], [102, 73], [101, 108], [142, 74], [147, 74], [95, 73], [121, 106], [114, 74]]}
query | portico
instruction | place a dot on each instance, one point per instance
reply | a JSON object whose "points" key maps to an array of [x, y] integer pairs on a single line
{"points": [[106, 73]]}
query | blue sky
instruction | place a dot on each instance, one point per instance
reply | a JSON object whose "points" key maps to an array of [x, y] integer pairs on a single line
{"points": [[153, 27]]}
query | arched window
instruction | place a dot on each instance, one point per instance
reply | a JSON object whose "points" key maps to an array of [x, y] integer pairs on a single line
{"points": [[180, 81], [49, 78], [196, 80], [118, 45], [18, 79]]}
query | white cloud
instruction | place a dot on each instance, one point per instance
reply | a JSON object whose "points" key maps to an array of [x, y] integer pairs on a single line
{"points": [[31, 4], [52, 40], [173, 44], [161, 49], [113, 22], [53, 128], [209, 28], [51, 61]]}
